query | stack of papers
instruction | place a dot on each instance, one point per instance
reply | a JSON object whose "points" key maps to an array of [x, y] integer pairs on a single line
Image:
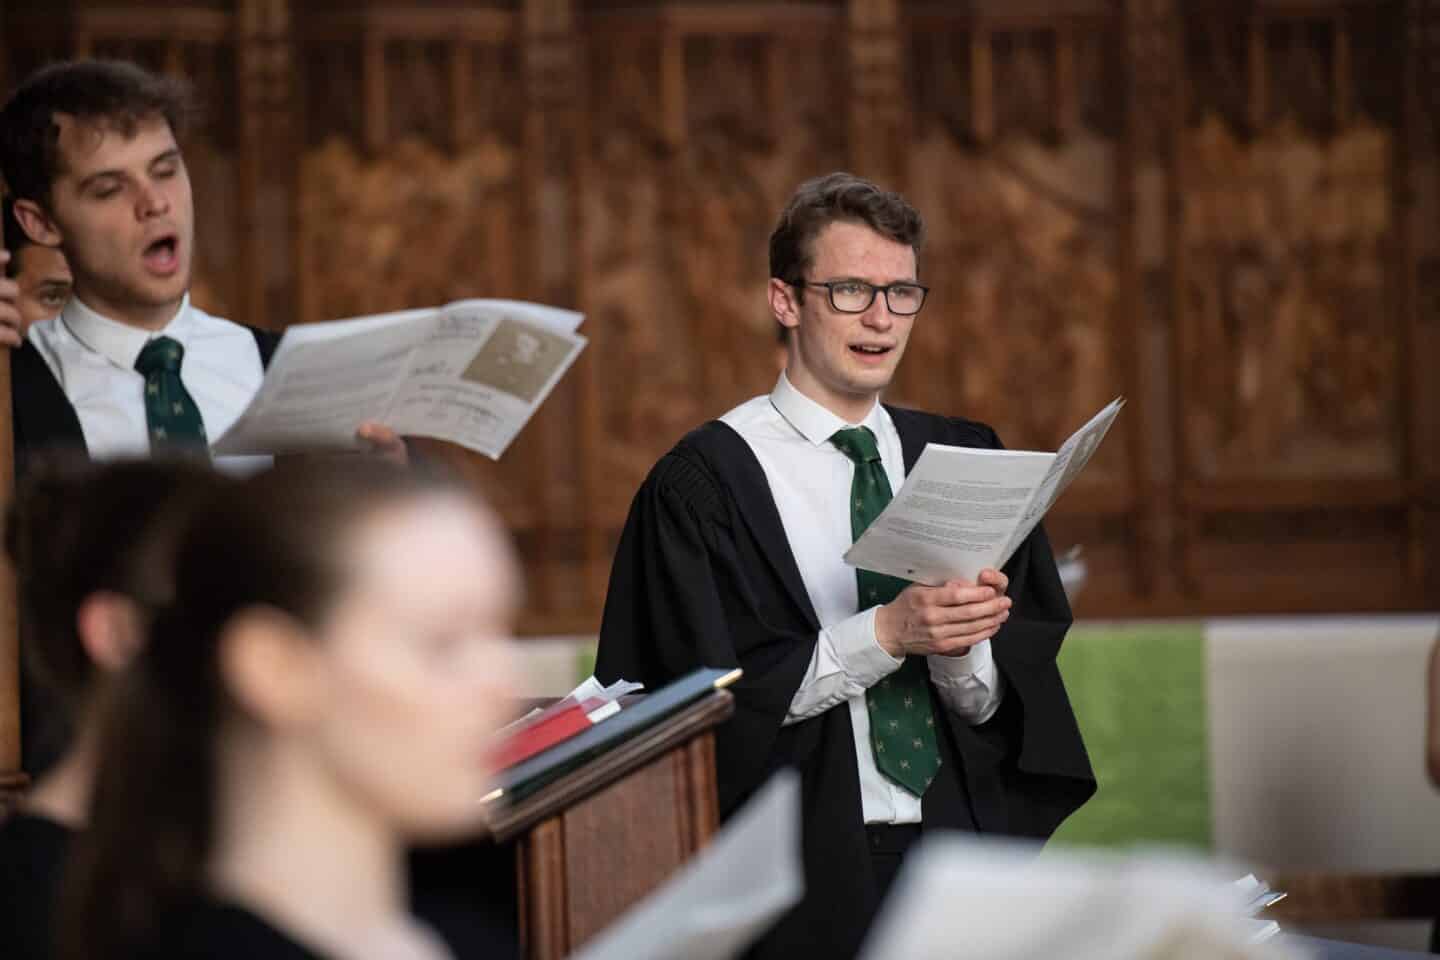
{"points": [[590, 689], [541, 729], [962, 896], [1258, 896]]}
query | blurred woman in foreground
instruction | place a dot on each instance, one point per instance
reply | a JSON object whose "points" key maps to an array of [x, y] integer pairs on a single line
{"points": [[320, 693], [90, 544]]}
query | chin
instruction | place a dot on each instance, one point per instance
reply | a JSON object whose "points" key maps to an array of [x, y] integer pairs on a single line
{"points": [[872, 381], [158, 292]]}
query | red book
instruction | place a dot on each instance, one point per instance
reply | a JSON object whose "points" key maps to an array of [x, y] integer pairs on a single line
{"points": [[550, 728]]}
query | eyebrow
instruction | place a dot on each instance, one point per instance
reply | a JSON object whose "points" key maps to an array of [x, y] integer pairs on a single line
{"points": [[171, 154]]}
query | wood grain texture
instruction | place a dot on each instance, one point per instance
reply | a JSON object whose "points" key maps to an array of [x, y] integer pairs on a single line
{"points": [[544, 911], [508, 820], [599, 840], [1325, 898], [1226, 212]]}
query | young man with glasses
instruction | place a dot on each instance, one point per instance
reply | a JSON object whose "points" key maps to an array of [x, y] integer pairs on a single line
{"points": [[905, 707]]}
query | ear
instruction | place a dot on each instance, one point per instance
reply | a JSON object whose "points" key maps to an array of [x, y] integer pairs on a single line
{"points": [[108, 624], [270, 666], [782, 304], [37, 224]]}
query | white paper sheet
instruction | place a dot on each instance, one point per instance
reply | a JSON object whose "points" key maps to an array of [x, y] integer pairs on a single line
{"points": [[727, 896], [472, 372], [959, 896], [961, 510], [589, 689]]}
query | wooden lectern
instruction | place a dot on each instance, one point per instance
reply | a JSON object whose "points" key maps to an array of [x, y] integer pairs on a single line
{"points": [[597, 840]]}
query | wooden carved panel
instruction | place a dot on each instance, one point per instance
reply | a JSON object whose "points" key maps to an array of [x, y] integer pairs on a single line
{"points": [[1225, 210], [697, 134], [430, 216], [1021, 253], [1292, 364]]}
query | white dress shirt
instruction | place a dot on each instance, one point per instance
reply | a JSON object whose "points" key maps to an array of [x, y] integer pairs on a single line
{"points": [[93, 359], [810, 482]]}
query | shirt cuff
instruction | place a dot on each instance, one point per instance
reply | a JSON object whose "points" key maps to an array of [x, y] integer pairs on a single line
{"points": [[970, 690], [978, 664], [864, 661]]}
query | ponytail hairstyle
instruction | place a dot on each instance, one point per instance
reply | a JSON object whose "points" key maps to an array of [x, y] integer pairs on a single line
{"points": [[76, 529], [278, 540]]}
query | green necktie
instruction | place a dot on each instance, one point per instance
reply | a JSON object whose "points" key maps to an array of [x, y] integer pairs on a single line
{"points": [[902, 723], [170, 413]]}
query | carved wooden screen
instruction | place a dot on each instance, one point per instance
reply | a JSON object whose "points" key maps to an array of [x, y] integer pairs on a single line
{"points": [[1226, 211]]}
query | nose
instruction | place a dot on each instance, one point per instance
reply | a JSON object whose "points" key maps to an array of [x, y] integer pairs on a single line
{"points": [[152, 201], [878, 317]]}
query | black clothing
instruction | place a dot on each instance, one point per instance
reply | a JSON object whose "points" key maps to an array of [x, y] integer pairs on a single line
{"points": [[704, 576], [211, 930], [32, 856]]}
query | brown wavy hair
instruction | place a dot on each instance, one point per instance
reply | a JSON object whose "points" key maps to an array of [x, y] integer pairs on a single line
{"points": [[837, 197]]}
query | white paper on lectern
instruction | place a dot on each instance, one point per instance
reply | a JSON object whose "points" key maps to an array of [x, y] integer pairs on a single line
{"points": [[472, 372], [963, 509], [1004, 902], [589, 689], [721, 901]]}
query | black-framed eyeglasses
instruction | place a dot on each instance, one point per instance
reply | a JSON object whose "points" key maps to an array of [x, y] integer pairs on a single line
{"points": [[904, 298]]}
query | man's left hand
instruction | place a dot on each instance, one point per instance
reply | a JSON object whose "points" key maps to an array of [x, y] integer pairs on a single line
{"points": [[380, 441]]}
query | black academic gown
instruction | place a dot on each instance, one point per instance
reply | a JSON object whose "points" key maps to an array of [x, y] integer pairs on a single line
{"points": [[704, 576]]}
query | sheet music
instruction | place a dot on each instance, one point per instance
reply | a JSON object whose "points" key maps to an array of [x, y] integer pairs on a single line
{"points": [[472, 372], [963, 509]]}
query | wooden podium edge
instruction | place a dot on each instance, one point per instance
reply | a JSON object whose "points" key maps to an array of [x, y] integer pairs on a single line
{"points": [[1326, 898], [507, 821]]}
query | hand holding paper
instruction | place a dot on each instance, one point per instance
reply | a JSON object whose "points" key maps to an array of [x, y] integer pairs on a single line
{"points": [[963, 510], [946, 620], [472, 372]]}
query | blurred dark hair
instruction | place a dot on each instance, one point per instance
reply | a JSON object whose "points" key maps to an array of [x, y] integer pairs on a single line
{"points": [[836, 197], [278, 540], [14, 236], [114, 93], [77, 528]]}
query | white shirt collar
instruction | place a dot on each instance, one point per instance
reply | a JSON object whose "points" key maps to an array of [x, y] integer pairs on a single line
{"points": [[120, 343], [813, 421]]}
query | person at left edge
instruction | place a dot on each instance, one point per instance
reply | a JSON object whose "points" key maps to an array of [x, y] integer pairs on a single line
{"points": [[89, 152], [41, 273]]}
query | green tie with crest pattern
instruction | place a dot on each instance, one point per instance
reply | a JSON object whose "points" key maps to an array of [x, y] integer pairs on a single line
{"points": [[171, 415], [902, 722]]}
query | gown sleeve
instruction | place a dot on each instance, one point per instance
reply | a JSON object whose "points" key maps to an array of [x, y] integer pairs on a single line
{"points": [[1047, 767], [681, 597]]}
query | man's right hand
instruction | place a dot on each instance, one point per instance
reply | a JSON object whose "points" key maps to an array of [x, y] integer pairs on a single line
{"points": [[9, 306], [947, 620]]}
